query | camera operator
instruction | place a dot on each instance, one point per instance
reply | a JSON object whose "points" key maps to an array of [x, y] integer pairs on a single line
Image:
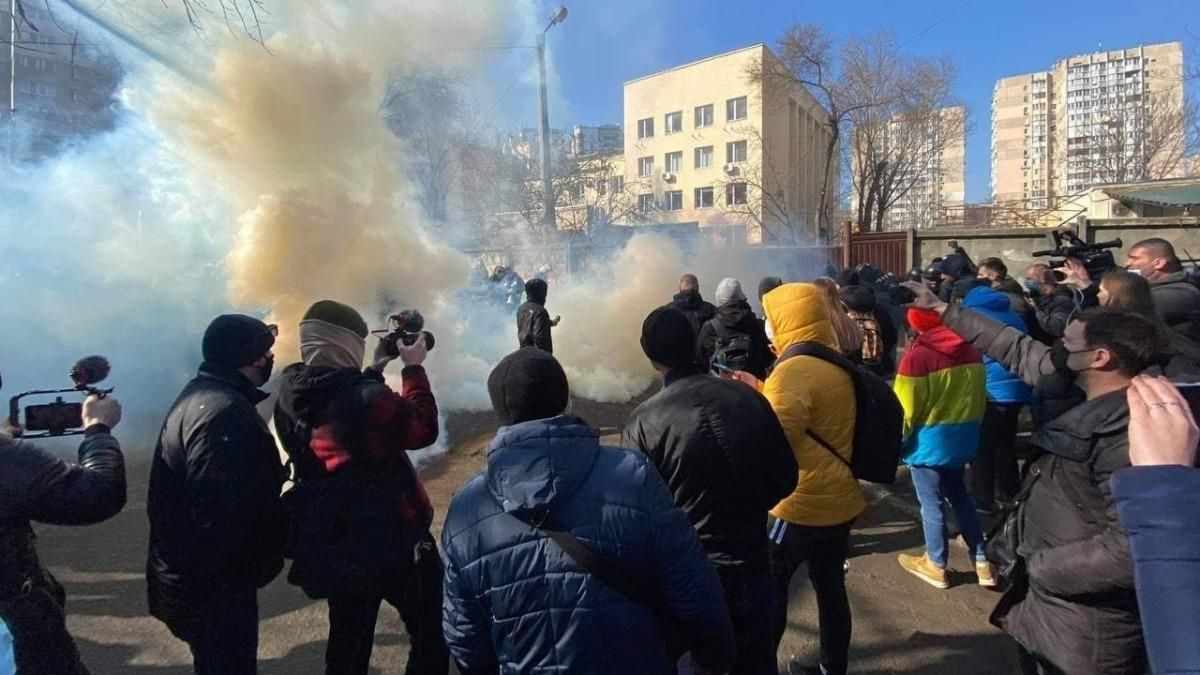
{"points": [[362, 517], [36, 486], [1053, 303]]}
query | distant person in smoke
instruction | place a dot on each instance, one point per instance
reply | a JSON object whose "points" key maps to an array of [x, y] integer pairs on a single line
{"points": [[362, 516], [689, 301], [734, 339], [217, 523], [528, 540], [726, 460], [507, 286], [533, 321]]}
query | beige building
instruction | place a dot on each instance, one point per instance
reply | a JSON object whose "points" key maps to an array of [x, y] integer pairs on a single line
{"points": [[1106, 117], [706, 143], [933, 180]]}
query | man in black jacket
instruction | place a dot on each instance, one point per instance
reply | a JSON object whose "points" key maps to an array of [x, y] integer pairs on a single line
{"points": [[737, 330], [37, 486], [1176, 298], [217, 525], [1075, 610], [1054, 303], [693, 306], [726, 460], [533, 321]]}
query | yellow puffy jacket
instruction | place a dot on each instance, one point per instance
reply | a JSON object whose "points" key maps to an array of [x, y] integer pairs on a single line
{"points": [[808, 393]]}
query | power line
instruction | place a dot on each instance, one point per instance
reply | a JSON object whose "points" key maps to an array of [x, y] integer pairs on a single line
{"points": [[938, 22]]}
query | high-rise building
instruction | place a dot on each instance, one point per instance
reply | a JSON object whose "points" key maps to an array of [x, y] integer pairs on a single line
{"points": [[591, 140], [931, 181], [706, 142], [1106, 117], [62, 84]]}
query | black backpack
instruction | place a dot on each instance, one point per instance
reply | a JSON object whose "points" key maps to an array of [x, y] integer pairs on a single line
{"points": [[878, 422], [733, 350]]}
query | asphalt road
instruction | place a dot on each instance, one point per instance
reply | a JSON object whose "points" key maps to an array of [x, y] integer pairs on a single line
{"points": [[901, 625]]}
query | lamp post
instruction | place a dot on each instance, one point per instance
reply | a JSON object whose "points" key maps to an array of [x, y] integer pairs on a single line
{"points": [[548, 224]]}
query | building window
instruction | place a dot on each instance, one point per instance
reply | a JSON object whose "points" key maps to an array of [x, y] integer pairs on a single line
{"points": [[674, 162], [618, 184], [704, 116], [576, 192], [646, 128], [674, 122], [646, 203], [735, 109], [704, 198], [673, 200], [735, 152], [601, 187], [735, 193], [704, 157], [645, 166]]}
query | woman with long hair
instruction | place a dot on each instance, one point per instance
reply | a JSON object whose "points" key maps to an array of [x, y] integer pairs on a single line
{"points": [[1125, 290], [849, 335]]}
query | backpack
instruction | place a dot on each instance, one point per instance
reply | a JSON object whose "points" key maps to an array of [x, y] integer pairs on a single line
{"points": [[733, 350], [872, 344], [878, 421]]}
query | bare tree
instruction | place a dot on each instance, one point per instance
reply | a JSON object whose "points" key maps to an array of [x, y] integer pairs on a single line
{"points": [[756, 194], [1137, 137]]}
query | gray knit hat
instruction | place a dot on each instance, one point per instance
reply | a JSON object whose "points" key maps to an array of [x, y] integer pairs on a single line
{"points": [[729, 289]]}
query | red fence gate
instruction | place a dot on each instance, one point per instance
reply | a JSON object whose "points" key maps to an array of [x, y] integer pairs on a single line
{"points": [[889, 251]]}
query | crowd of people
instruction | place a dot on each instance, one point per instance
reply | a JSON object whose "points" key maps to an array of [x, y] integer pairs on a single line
{"points": [[675, 551]]}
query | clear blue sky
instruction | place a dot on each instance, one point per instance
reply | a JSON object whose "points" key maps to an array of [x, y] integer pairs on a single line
{"points": [[603, 43]]}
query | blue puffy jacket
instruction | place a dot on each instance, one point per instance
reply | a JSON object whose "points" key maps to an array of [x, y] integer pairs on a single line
{"points": [[1002, 385], [1158, 506], [515, 603]]}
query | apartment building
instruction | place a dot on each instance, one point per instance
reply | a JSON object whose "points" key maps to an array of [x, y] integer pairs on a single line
{"points": [[62, 83], [707, 143], [932, 180], [1105, 117]]}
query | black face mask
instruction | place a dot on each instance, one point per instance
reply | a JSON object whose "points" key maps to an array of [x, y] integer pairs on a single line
{"points": [[1058, 357], [267, 368]]}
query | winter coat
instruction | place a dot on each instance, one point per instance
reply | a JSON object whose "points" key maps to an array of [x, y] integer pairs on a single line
{"points": [[36, 486], [1002, 385], [876, 302], [533, 326], [516, 603], [724, 457], [941, 383], [216, 519], [808, 393], [1158, 507], [1177, 301], [1079, 609], [1016, 299], [697, 309], [348, 432], [1054, 311], [737, 317]]}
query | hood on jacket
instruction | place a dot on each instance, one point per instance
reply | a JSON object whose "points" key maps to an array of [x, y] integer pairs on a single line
{"points": [[797, 313], [688, 300], [986, 298], [945, 341], [734, 312], [535, 291], [540, 462], [307, 390]]}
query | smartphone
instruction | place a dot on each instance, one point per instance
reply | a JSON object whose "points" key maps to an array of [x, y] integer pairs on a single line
{"points": [[723, 368], [56, 417]]}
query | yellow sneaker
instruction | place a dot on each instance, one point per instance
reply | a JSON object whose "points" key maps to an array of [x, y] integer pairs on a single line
{"points": [[983, 569], [921, 567]]}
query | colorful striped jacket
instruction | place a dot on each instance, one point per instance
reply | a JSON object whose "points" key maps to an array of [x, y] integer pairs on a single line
{"points": [[941, 383]]}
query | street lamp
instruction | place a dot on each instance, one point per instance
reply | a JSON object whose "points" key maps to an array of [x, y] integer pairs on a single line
{"points": [[548, 224]]}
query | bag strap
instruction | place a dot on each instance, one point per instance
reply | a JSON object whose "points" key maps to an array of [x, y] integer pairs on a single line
{"points": [[628, 587], [723, 332], [820, 351]]}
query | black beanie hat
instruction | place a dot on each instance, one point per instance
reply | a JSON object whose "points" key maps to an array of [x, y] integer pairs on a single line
{"points": [[668, 338], [535, 290], [858, 298], [337, 314], [528, 384], [236, 340], [767, 285]]}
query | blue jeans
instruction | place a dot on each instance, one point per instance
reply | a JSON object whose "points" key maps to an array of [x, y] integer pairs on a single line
{"points": [[933, 485]]}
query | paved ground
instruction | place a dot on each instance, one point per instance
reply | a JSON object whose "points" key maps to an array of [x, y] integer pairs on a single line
{"points": [[901, 624]]}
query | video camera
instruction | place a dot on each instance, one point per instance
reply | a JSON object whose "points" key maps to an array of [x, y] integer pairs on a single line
{"points": [[59, 417], [1097, 259], [406, 326]]}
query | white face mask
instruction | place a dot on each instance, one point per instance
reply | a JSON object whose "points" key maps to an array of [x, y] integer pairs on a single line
{"points": [[769, 329]]}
